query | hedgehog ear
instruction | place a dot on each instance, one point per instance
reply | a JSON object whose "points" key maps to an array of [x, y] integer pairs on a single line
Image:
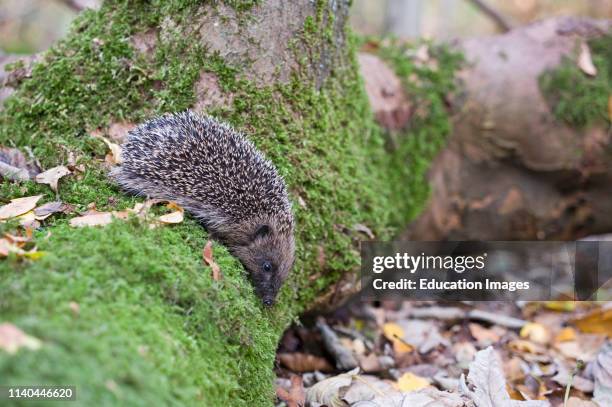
{"points": [[262, 230]]}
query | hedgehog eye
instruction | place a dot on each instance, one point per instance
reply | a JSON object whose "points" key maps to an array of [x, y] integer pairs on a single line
{"points": [[267, 266]]}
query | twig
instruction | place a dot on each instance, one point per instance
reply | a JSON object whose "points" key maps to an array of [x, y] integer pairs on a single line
{"points": [[577, 369], [453, 313], [498, 18]]}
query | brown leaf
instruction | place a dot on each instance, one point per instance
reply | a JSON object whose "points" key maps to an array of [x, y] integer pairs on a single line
{"points": [[207, 254], [303, 362], [296, 396], [13, 338], [585, 62], [18, 206], [52, 176], [483, 336], [597, 321], [174, 217], [115, 149]]}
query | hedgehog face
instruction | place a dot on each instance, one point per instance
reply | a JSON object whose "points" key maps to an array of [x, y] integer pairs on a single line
{"points": [[268, 258]]}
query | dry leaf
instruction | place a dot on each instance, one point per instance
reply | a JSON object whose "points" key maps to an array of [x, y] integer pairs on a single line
{"points": [[52, 176], [327, 392], [29, 220], [490, 385], [483, 336], [18, 239], [566, 306], [207, 254], [18, 206], [295, 397], [174, 217], [115, 155], [302, 362], [520, 346], [34, 254], [411, 382], [565, 335], [92, 219], [464, 353], [535, 332], [585, 62], [422, 335], [13, 338], [48, 209], [598, 321], [395, 333], [374, 363], [602, 373]]}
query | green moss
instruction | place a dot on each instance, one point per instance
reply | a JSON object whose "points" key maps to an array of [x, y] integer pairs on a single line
{"points": [[575, 97], [428, 83], [206, 342], [143, 333]]}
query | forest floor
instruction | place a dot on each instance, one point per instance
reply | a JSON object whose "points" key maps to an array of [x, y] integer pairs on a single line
{"points": [[453, 354]]}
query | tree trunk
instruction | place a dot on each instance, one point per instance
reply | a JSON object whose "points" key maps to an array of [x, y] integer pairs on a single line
{"points": [[514, 167], [131, 315]]}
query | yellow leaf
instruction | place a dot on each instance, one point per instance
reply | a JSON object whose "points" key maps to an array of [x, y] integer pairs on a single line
{"points": [[565, 335], [535, 332], [524, 346], [18, 206], [566, 306], [395, 334], [411, 382], [34, 255], [596, 322]]}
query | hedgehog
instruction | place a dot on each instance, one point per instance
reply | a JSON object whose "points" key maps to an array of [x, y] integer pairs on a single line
{"points": [[224, 181]]}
